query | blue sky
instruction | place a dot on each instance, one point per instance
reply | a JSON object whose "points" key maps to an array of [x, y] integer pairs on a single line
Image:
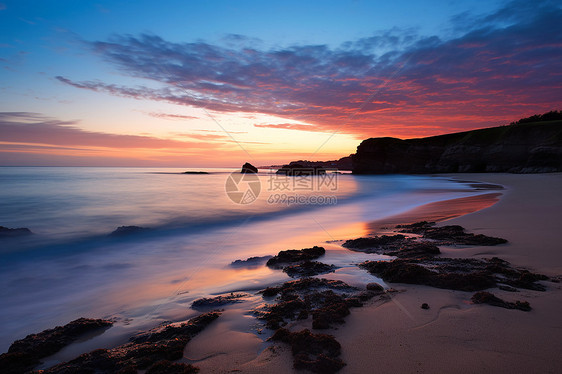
{"points": [[185, 71]]}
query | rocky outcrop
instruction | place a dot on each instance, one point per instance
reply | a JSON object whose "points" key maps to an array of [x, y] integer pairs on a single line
{"points": [[145, 351], [26, 353], [517, 148], [295, 255], [491, 299], [298, 169], [249, 168]]}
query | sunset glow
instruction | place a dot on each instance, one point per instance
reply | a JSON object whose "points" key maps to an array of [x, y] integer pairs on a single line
{"points": [[196, 84]]}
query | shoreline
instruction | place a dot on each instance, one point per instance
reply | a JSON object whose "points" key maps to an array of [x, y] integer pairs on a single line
{"points": [[404, 323]]}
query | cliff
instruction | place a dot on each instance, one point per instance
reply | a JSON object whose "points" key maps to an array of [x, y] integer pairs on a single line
{"points": [[534, 147]]}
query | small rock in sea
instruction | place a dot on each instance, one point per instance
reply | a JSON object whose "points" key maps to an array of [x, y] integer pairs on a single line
{"points": [[214, 302], [249, 168], [6, 232], [491, 299], [425, 306], [308, 269], [250, 262], [375, 287], [296, 255], [195, 172], [128, 230], [504, 287]]}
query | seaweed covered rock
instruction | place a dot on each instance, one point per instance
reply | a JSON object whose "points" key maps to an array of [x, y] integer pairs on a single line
{"points": [[26, 353], [449, 235], [491, 299], [218, 301], [142, 352], [308, 269], [327, 301], [315, 352], [454, 273], [393, 245], [295, 255]]}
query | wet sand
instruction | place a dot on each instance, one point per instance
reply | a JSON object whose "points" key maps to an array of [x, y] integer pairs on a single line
{"points": [[455, 335]]}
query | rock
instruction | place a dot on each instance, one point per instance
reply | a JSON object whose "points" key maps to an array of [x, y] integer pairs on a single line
{"points": [[295, 255], [308, 269], [142, 352], [425, 306], [315, 352], [521, 148], [375, 287], [448, 235], [250, 262], [12, 233], [298, 169], [491, 299], [393, 245], [195, 172], [376, 242], [24, 354], [218, 301], [454, 273], [129, 230], [249, 168]]}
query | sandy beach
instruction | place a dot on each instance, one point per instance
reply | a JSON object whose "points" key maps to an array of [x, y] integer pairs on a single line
{"points": [[455, 335], [393, 333]]}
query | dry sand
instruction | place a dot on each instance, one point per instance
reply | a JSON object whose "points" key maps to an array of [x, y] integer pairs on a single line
{"points": [[453, 335]]}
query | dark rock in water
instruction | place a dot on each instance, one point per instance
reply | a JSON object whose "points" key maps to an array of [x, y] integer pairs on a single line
{"points": [[24, 354], [375, 287], [167, 367], [315, 352], [144, 351], [448, 235], [11, 233], [250, 262], [491, 299], [129, 230], [296, 255], [376, 242], [215, 302], [298, 169], [195, 172], [308, 269], [454, 273], [326, 300], [503, 287], [249, 168], [425, 306], [393, 245]]}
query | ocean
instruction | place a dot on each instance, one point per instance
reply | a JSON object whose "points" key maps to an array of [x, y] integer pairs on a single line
{"points": [[72, 267]]}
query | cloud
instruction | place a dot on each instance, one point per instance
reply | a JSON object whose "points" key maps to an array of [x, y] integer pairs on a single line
{"points": [[496, 68], [171, 116], [33, 128], [290, 126]]}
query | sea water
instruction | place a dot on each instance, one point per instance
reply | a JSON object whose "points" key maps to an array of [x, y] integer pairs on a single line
{"points": [[71, 267]]}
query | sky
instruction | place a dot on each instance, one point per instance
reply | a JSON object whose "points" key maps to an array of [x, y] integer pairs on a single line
{"points": [[220, 83]]}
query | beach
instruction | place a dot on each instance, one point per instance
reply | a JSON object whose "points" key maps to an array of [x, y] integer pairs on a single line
{"points": [[455, 335], [394, 333]]}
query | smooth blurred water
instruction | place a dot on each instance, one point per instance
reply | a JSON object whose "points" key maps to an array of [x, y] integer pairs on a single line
{"points": [[70, 267]]}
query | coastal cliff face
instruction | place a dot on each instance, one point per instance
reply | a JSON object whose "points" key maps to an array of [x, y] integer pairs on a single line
{"points": [[517, 148]]}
